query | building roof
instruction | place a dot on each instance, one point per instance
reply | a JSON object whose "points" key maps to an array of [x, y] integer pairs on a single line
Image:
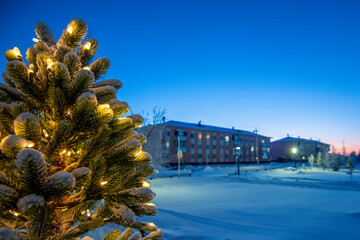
{"points": [[292, 139], [196, 126]]}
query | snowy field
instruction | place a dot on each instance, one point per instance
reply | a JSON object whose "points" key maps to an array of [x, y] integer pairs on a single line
{"points": [[280, 203]]}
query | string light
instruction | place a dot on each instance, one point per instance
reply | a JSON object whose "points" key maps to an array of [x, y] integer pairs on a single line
{"points": [[78, 151], [150, 204], [87, 45], [36, 40], [87, 68], [83, 212], [64, 209], [104, 108], [151, 224], [30, 71], [88, 213], [70, 30], [45, 133], [68, 112], [29, 145], [138, 153], [49, 62], [14, 213], [16, 52], [103, 183], [62, 152], [146, 184], [69, 153]]}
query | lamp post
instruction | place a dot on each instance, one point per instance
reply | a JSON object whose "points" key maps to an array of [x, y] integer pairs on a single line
{"points": [[236, 153], [294, 151]]}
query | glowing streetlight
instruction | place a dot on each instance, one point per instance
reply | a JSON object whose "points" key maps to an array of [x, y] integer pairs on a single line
{"points": [[294, 150]]}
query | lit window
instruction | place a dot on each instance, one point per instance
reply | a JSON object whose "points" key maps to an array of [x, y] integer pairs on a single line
{"points": [[207, 136], [199, 135], [167, 144], [252, 149], [226, 138]]}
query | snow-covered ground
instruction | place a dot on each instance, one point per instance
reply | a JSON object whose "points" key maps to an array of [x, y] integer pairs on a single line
{"points": [[280, 203]]}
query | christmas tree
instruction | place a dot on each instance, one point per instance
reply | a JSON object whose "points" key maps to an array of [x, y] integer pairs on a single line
{"points": [[70, 162]]}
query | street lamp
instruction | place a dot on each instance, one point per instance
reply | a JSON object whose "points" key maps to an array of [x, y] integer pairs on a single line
{"points": [[236, 153], [294, 151]]}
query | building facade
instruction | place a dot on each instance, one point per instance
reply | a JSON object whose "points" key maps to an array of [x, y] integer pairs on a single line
{"points": [[204, 144], [291, 148]]}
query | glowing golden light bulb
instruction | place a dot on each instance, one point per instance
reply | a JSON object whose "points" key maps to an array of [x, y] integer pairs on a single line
{"points": [[104, 108], [45, 133], [30, 71], [16, 51], [87, 68], [69, 30], [138, 153], [29, 145], [49, 63], [87, 45], [103, 183], [88, 213], [64, 209], [14, 213], [150, 204], [83, 212], [69, 153], [78, 151], [62, 152], [36, 40], [151, 224], [146, 184], [68, 112]]}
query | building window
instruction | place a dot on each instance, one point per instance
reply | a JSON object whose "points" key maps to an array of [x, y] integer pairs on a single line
{"points": [[168, 133], [221, 137], [207, 147], [192, 135], [208, 136], [214, 147], [226, 138], [199, 146], [192, 157], [252, 149], [214, 157], [180, 140], [199, 156], [192, 146], [214, 137], [199, 135], [167, 144]]}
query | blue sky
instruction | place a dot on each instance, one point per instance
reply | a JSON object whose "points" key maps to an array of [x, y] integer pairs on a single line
{"points": [[281, 66]]}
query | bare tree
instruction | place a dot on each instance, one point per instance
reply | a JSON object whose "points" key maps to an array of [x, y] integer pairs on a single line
{"points": [[153, 130]]}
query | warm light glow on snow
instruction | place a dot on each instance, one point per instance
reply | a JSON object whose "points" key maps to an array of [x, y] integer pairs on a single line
{"points": [[146, 184], [29, 145], [69, 30], [16, 51], [87, 45], [49, 62]]}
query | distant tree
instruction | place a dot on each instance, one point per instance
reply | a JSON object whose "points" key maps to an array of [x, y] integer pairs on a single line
{"points": [[153, 131], [350, 165], [319, 160], [311, 160], [333, 162]]}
